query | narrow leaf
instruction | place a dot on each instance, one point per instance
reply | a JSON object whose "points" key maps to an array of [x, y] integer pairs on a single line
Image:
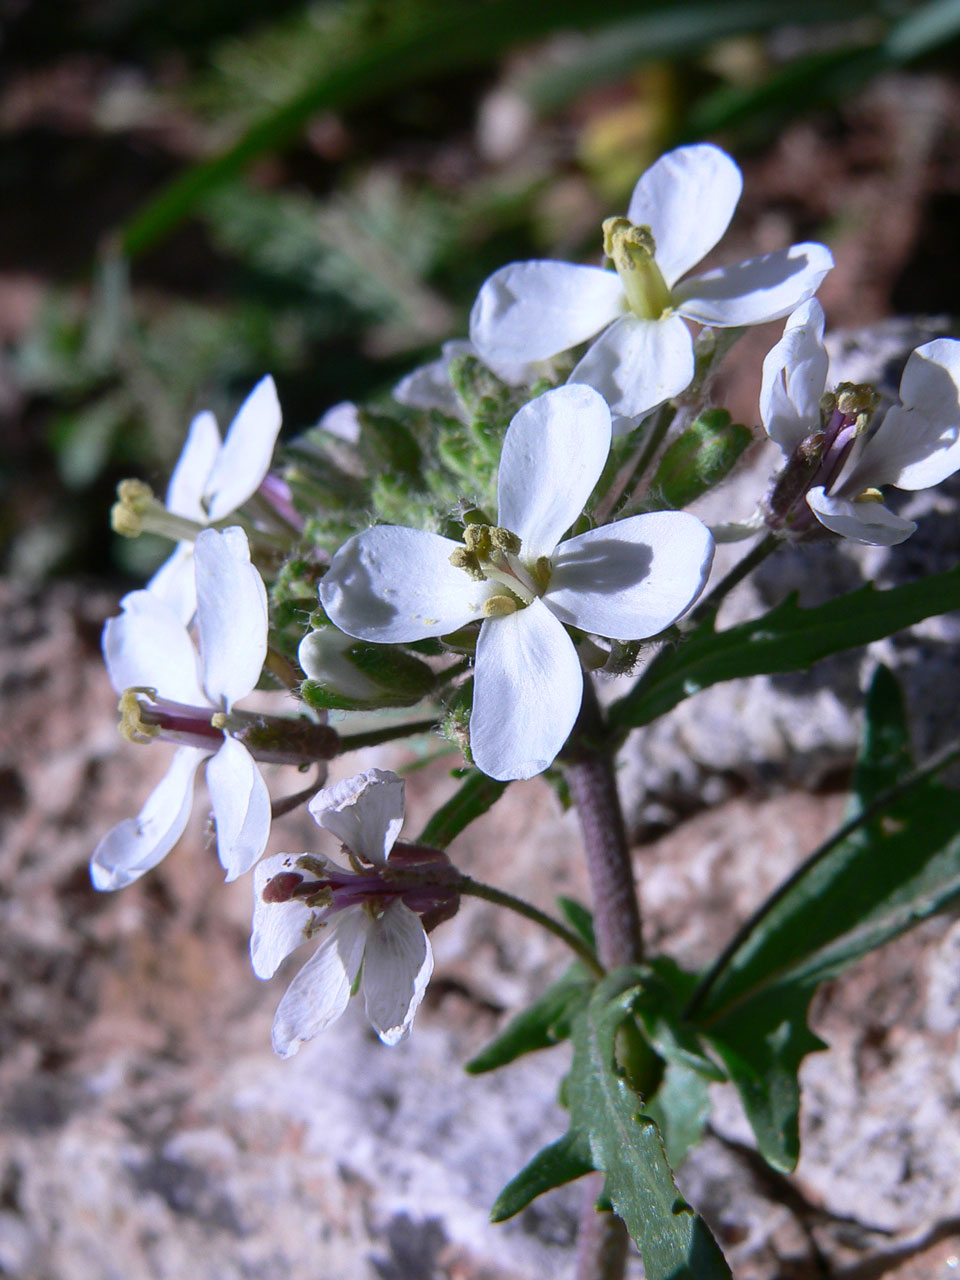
{"points": [[475, 796], [560, 1162], [546, 1022], [626, 1145], [788, 638]]}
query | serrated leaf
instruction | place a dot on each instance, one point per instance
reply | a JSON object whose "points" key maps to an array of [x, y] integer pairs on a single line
{"points": [[788, 638], [561, 1162], [886, 876], [680, 1107], [545, 1023], [477, 793], [626, 1145]]}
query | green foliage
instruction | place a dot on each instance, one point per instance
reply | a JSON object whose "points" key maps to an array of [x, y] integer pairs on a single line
{"points": [[545, 1023], [562, 1161], [699, 458], [891, 871], [626, 1145], [476, 794], [788, 638]]}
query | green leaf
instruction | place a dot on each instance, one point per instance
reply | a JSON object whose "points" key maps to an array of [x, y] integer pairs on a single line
{"points": [[560, 1162], [579, 918], [626, 1145], [476, 795], [680, 1108], [887, 875], [546, 1022], [788, 638]]}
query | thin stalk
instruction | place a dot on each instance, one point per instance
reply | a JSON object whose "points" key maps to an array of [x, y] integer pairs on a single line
{"points": [[714, 598], [476, 889], [288, 803], [631, 473], [937, 762], [603, 1241], [374, 737]]}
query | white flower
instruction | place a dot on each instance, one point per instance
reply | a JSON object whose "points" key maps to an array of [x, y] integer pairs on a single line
{"points": [[680, 208], [213, 478], [626, 580], [361, 918], [916, 445], [170, 691]]}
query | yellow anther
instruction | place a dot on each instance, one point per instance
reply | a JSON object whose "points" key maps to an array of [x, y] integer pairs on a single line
{"points": [[856, 399], [499, 606], [134, 499], [132, 724], [632, 251], [869, 495], [504, 540]]}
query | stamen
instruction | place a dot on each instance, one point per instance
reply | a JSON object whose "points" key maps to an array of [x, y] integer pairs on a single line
{"points": [[632, 251], [499, 606], [869, 495], [138, 511]]}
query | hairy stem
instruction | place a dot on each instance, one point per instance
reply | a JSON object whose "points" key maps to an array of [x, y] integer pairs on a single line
{"points": [[603, 1240], [477, 889], [374, 737]]}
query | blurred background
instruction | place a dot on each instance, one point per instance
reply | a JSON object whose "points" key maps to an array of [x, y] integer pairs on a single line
{"points": [[194, 194]]}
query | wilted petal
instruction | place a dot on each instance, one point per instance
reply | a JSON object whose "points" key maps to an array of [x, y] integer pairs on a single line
{"points": [[794, 378], [241, 807], [869, 522], [553, 454], [321, 990], [148, 646], [918, 443], [631, 579], [527, 690], [231, 615], [245, 457], [395, 584], [638, 364], [529, 311], [687, 200], [175, 583], [138, 844], [397, 965], [278, 927], [364, 812], [757, 290], [188, 484]]}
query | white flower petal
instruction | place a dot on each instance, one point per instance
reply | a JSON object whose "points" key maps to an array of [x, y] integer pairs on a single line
{"points": [[148, 646], [428, 387], [397, 965], [278, 927], [245, 457], [138, 844], [188, 484], [231, 615], [918, 443], [241, 806], [364, 812], [794, 378], [631, 579], [638, 364], [757, 290], [553, 453], [395, 584], [321, 990], [321, 656], [687, 200], [175, 583], [529, 311], [527, 691], [343, 421], [868, 522]]}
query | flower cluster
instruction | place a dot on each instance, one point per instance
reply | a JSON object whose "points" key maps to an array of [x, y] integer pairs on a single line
{"points": [[543, 542]]}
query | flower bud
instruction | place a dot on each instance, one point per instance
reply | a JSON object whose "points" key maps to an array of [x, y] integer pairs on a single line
{"points": [[353, 675], [699, 458]]}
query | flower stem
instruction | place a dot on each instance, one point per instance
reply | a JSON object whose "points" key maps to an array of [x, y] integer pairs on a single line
{"points": [[603, 1241], [374, 737], [476, 889], [934, 765], [711, 602]]}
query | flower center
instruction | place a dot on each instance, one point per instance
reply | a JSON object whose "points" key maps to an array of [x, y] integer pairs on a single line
{"points": [[492, 554], [632, 251], [145, 717]]}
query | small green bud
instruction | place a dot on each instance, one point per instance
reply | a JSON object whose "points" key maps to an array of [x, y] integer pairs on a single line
{"points": [[699, 458], [354, 675]]}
